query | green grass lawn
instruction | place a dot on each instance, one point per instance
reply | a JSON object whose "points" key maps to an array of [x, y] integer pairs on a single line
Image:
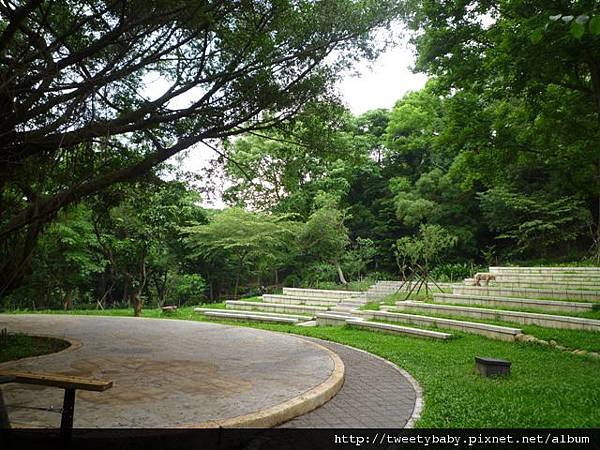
{"points": [[22, 346], [547, 387]]}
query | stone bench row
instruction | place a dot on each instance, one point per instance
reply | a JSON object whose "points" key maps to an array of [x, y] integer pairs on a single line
{"points": [[299, 300], [273, 307], [564, 294], [321, 293], [544, 270], [337, 320], [258, 313], [222, 314], [401, 283], [555, 285], [536, 278], [524, 318], [396, 329], [514, 302], [482, 329]]}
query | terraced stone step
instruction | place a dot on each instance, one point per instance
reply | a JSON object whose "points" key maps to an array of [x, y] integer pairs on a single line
{"points": [[544, 270], [577, 278], [514, 302], [524, 318], [221, 314], [491, 331], [393, 283], [299, 300], [577, 295], [397, 329], [353, 302], [377, 295], [332, 319], [258, 313], [273, 307], [321, 293], [556, 285], [343, 309]]}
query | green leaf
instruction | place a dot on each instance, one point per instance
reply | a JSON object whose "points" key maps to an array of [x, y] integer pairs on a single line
{"points": [[595, 25], [537, 36], [577, 30]]}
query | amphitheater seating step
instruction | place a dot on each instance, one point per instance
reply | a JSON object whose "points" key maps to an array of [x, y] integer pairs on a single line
{"points": [[332, 318], [525, 318], [546, 284], [397, 329], [320, 293], [222, 314], [257, 313], [558, 277], [544, 270], [273, 307], [491, 331], [576, 295], [514, 302], [299, 300]]}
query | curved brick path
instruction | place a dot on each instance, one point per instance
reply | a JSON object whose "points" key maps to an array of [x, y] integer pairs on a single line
{"points": [[376, 394], [168, 373]]}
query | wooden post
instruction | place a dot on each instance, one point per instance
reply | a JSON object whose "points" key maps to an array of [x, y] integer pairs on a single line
{"points": [[66, 421]]}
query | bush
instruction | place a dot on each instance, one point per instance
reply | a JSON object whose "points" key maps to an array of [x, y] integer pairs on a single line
{"points": [[188, 287]]}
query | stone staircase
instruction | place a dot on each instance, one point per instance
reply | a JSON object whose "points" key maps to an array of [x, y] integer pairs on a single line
{"points": [[546, 297]]}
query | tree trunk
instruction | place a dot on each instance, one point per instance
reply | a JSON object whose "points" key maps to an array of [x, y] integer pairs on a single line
{"points": [[237, 283], [68, 300], [137, 303], [340, 273]]}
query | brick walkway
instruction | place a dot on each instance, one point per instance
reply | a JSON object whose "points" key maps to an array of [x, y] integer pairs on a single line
{"points": [[376, 394]]}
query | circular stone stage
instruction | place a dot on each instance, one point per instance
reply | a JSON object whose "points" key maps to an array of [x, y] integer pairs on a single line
{"points": [[171, 373]]}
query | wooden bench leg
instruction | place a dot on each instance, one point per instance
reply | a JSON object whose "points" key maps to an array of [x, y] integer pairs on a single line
{"points": [[66, 421]]}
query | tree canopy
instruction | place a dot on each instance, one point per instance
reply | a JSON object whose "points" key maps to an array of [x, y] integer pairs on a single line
{"points": [[93, 93]]}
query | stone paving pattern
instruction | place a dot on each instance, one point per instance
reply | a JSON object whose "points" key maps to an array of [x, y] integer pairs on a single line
{"points": [[166, 372], [375, 395]]}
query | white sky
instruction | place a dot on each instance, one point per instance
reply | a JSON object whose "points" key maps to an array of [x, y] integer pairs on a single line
{"points": [[379, 85]]}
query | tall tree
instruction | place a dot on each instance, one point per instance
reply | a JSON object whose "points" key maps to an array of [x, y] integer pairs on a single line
{"points": [[98, 92], [525, 83], [324, 237], [246, 242]]}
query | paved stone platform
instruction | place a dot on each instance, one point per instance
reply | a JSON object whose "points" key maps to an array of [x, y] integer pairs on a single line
{"points": [[376, 394], [171, 373]]}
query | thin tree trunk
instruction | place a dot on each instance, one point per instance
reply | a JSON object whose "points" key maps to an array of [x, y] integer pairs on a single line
{"points": [[68, 300], [137, 303], [340, 273]]}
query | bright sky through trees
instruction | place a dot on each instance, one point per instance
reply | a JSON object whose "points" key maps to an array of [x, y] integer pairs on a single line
{"points": [[371, 86]]}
